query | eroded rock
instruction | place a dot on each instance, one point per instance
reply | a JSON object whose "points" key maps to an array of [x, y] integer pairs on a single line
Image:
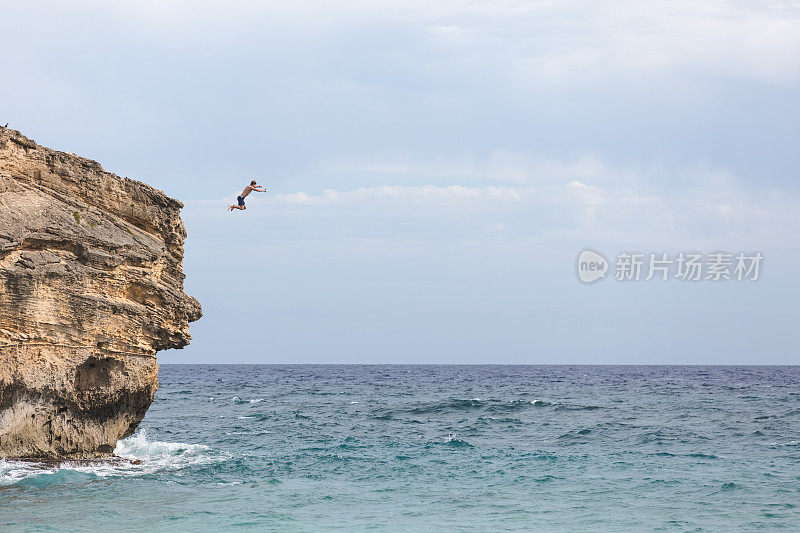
{"points": [[91, 287]]}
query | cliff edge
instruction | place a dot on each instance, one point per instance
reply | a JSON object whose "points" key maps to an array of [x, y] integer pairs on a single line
{"points": [[91, 287]]}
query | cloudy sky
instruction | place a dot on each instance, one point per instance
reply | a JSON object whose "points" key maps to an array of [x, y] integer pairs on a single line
{"points": [[435, 167]]}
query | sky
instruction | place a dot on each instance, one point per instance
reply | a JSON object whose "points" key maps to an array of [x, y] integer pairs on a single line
{"points": [[435, 168]]}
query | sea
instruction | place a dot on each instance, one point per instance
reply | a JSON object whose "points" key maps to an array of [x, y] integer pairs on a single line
{"points": [[437, 448]]}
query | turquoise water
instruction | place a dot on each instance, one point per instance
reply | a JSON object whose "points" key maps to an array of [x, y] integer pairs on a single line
{"points": [[548, 448]]}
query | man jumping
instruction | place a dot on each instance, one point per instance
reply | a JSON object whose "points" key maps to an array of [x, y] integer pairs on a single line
{"points": [[247, 190]]}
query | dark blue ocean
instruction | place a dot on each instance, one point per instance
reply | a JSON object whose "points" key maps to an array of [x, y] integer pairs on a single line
{"points": [[426, 448]]}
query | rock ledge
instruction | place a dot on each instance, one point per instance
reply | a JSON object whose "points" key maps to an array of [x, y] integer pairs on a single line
{"points": [[91, 287]]}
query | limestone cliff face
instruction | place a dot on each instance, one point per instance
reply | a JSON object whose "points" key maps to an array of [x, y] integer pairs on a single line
{"points": [[91, 287]]}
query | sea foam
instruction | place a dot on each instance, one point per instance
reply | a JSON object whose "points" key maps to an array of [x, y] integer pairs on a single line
{"points": [[136, 455]]}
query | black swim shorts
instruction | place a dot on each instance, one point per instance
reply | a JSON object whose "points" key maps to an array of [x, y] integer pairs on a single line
{"points": [[240, 199]]}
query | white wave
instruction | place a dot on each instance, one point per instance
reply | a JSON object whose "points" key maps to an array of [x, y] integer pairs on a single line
{"points": [[790, 443], [139, 456], [158, 455], [13, 471], [236, 399]]}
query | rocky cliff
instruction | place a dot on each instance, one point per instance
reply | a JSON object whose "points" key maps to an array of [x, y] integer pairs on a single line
{"points": [[91, 287]]}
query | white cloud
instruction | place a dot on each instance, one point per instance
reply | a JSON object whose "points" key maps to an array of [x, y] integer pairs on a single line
{"points": [[500, 165], [400, 193], [533, 42], [715, 213]]}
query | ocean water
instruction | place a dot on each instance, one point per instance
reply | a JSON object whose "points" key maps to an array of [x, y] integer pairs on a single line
{"points": [[427, 448]]}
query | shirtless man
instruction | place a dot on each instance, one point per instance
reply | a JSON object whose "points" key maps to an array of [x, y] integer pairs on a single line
{"points": [[247, 190]]}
